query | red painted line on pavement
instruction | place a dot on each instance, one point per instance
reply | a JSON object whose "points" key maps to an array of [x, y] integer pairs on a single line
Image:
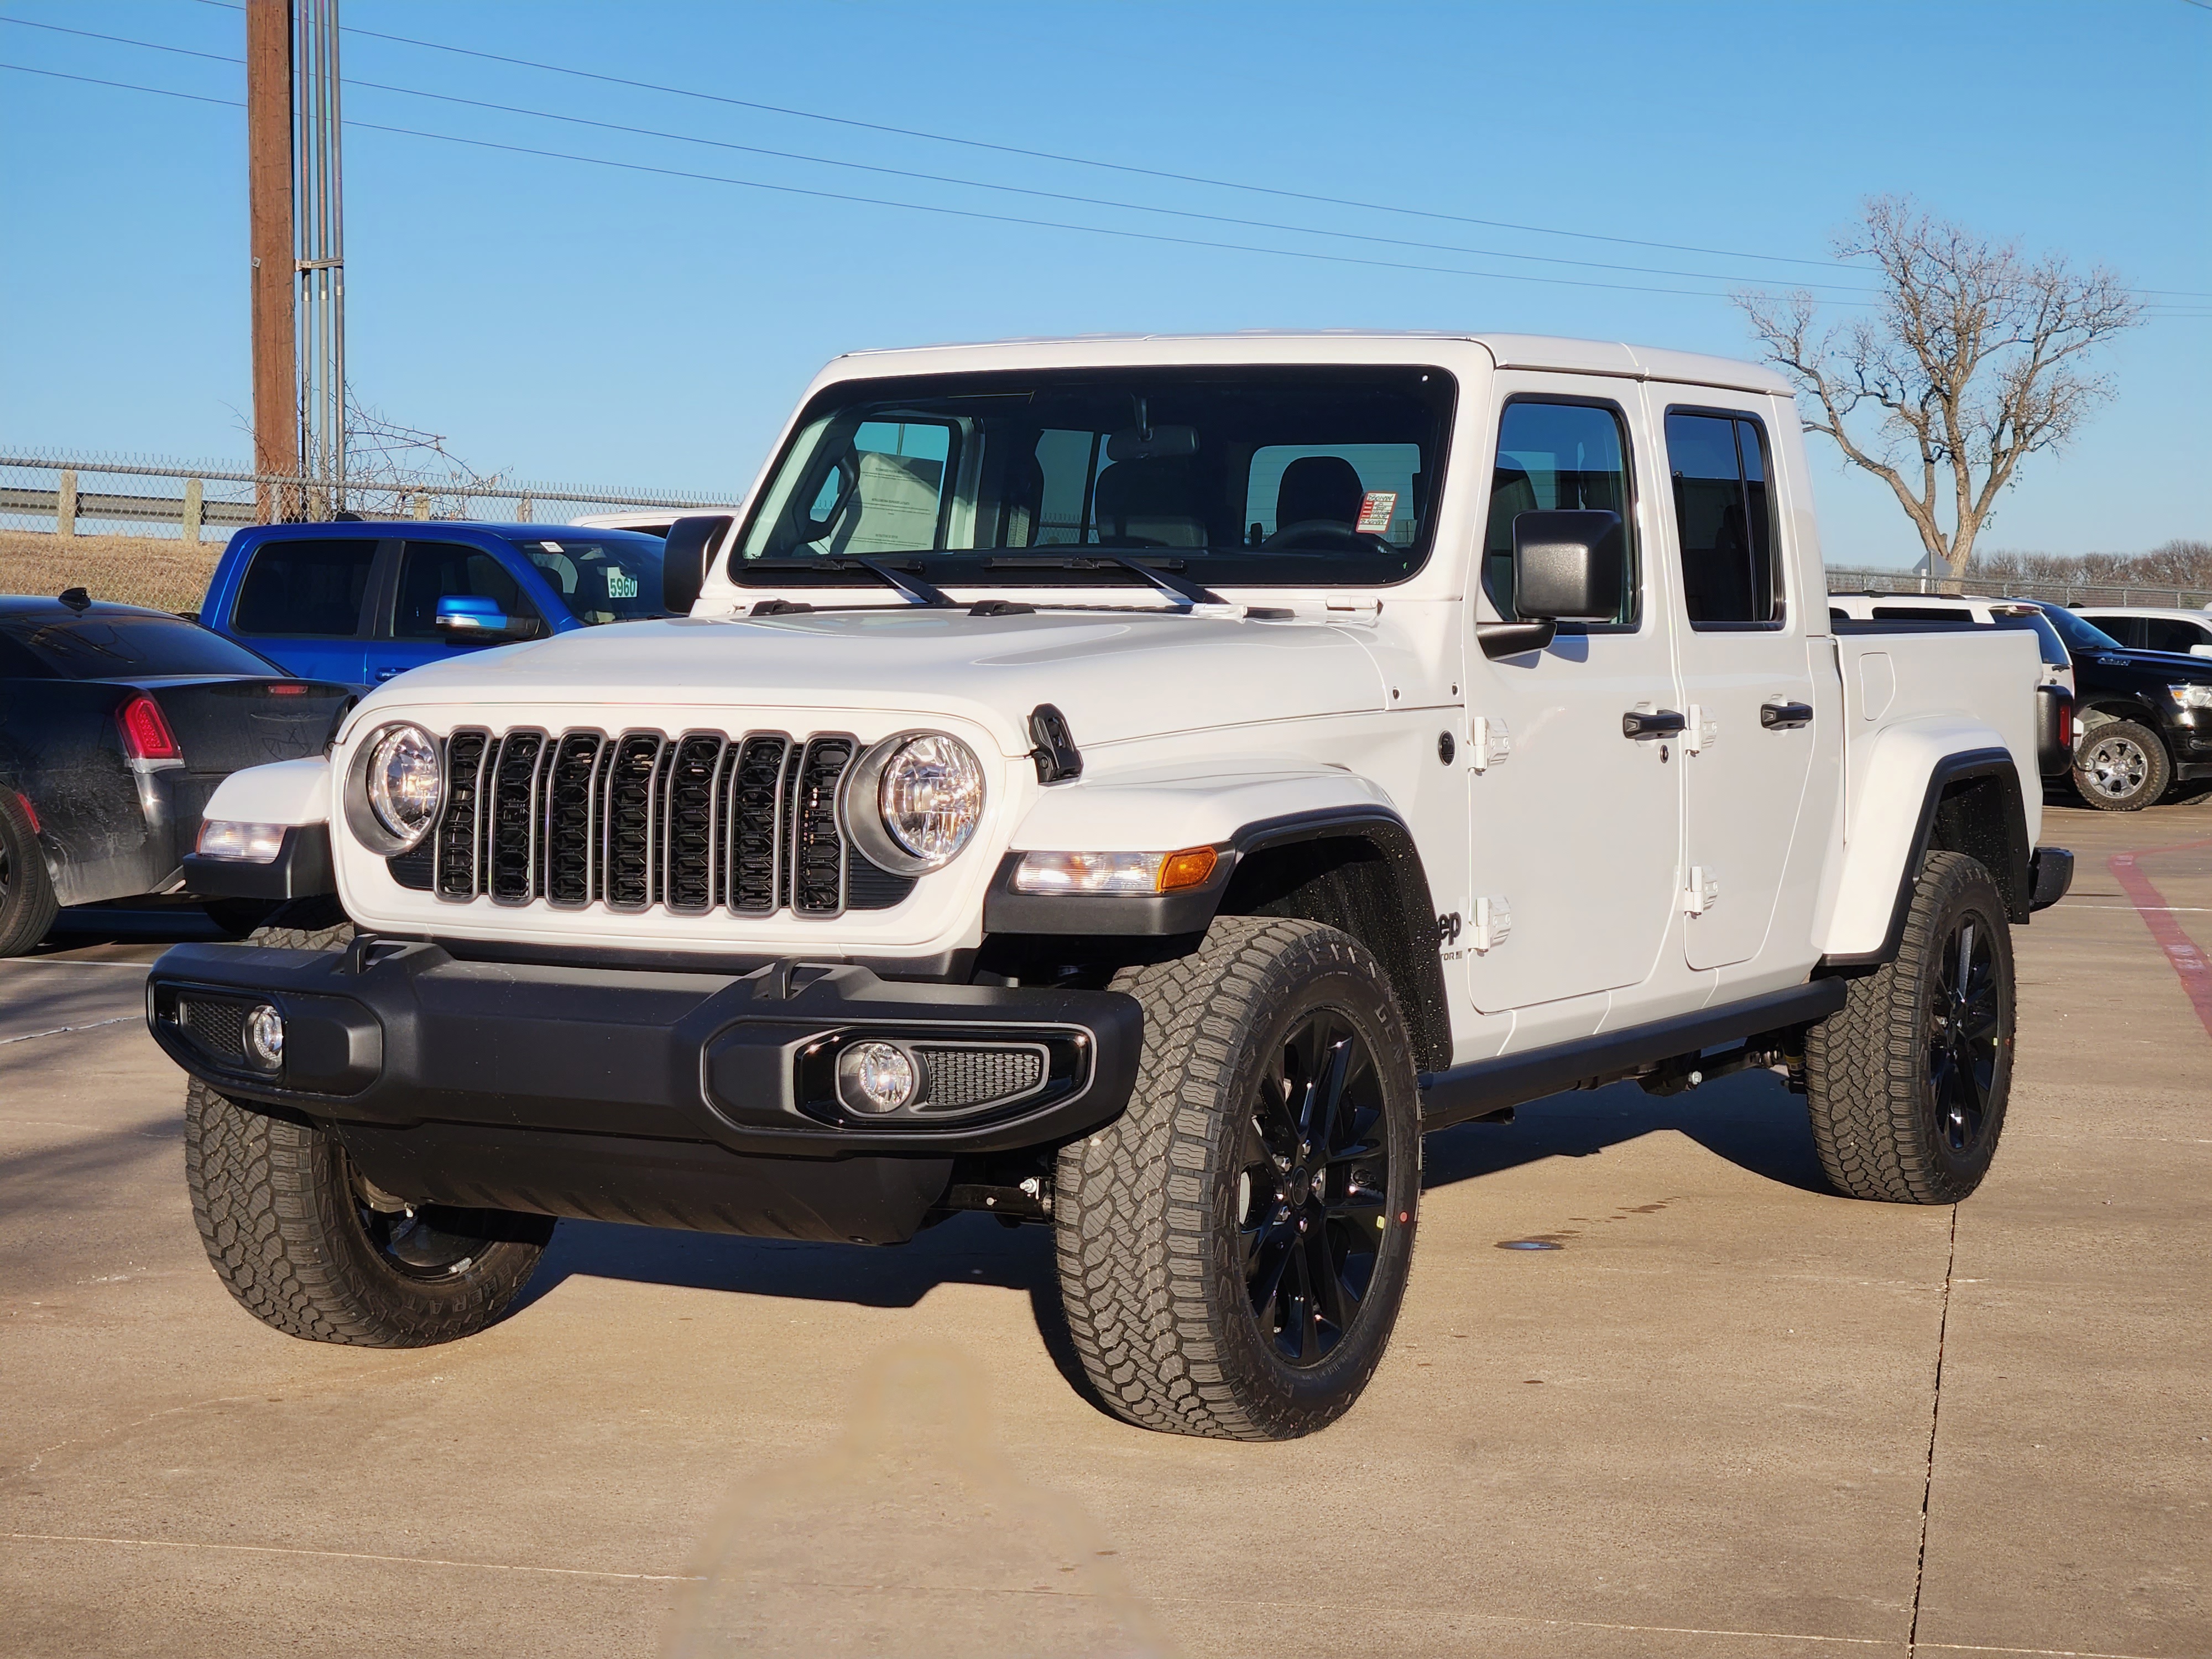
{"points": [[2188, 963]]}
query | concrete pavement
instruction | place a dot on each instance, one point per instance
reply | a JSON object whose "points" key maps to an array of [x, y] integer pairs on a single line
{"points": [[1729, 1414]]}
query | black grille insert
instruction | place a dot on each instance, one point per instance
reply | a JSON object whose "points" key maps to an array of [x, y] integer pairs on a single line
{"points": [[694, 822]]}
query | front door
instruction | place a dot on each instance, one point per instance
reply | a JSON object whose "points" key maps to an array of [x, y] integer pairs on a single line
{"points": [[1747, 683], [429, 572], [1576, 827]]}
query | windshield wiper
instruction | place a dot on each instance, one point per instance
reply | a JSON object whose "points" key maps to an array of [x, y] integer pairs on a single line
{"points": [[1189, 591], [912, 587]]}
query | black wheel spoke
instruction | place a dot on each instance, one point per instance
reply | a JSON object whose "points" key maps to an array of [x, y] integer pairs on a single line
{"points": [[1301, 1338]]}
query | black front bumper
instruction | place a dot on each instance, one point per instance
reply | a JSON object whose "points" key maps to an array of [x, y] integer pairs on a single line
{"points": [[672, 1099]]}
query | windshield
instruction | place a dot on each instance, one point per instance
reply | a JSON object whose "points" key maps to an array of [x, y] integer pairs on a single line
{"points": [[604, 575], [2081, 635], [128, 646], [1293, 476]]}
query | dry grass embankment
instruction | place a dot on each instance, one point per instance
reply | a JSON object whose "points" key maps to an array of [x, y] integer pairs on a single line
{"points": [[167, 575]]}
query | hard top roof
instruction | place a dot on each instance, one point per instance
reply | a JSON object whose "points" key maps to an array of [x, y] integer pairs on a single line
{"points": [[1531, 351], [37, 604]]}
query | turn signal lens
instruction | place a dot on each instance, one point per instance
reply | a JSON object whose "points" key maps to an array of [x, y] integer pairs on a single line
{"points": [[1120, 874], [146, 735], [1189, 868], [246, 843]]}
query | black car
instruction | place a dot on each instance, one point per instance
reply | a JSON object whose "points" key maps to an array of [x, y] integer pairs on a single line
{"points": [[116, 724], [2145, 717]]}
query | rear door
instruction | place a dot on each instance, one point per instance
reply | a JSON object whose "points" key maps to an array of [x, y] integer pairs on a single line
{"points": [[1575, 827], [302, 602], [429, 571], [1747, 681]]}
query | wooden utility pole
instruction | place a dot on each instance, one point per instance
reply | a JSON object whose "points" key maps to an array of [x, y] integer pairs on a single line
{"points": [[269, 181]]}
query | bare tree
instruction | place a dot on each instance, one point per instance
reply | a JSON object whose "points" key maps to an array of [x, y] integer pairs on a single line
{"points": [[1972, 361]]}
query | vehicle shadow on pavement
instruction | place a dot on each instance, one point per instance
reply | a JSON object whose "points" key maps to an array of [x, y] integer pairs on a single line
{"points": [[1750, 1119], [966, 1249]]}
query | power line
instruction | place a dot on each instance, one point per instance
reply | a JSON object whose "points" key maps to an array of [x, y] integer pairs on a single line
{"points": [[943, 179], [1051, 155], [912, 207]]}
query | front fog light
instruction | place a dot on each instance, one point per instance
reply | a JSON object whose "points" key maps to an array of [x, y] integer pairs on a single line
{"points": [[877, 1077], [264, 1037]]}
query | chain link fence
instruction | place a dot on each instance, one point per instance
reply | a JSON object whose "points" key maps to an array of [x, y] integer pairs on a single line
{"points": [[147, 530], [1844, 580]]}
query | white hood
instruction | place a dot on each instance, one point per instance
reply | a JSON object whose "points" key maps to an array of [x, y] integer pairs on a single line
{"points": [[1116, 676]]}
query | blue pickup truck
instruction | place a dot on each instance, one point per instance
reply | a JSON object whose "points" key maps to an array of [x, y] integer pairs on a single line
{"points": [[359, 601]]}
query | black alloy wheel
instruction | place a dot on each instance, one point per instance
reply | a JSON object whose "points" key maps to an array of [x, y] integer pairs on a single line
{"points": [[28, 905], [1964, 1025], [419, 1241], [1313, 1193]]}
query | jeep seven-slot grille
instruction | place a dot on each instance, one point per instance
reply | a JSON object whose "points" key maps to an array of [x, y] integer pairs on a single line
{"points": [[695, 823]]}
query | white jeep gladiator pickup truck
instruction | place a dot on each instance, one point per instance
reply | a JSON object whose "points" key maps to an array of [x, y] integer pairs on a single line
{"points": [[1135, 787]]}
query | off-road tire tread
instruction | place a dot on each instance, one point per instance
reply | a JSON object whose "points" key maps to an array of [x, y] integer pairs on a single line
{"points": [[1863, 1063], [28, 912], [1131, 1210], [268, 1210], [2154, 785]]}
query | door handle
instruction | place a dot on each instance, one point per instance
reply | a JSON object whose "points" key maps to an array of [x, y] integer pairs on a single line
{"points": [[1657, 723], [1784, 716]]}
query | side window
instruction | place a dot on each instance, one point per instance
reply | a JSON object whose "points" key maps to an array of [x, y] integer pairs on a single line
{"points": [[1558, 455], [2171, 634], [2127, 630], [431, 571], [1723, 518], [308, 588]]}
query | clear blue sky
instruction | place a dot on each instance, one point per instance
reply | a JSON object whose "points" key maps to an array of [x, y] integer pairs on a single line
{"points": [[572, 322]]}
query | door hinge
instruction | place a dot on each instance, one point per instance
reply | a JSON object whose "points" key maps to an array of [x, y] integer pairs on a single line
{"points": [[1699, 730], [1703, 890], [1494, 920], [1489, 743]]}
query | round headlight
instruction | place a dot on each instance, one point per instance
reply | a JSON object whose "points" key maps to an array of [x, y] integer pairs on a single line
{"points": [[407, 785], [932, 799]]}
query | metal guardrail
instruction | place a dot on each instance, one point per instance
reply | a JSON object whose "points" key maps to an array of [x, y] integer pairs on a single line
{"points": [[217, 495]]}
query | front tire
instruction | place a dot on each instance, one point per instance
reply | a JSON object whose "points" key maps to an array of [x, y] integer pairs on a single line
{"points": [[2121, 767], [1234, 1249], [1906, 1083], [309, 1246]]}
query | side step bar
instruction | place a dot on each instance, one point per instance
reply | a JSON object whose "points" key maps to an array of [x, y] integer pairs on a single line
{"points": [[1484, 1086]]}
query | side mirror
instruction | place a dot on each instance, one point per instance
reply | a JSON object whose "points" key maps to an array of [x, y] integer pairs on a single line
{"points": [[1569, 565], [684, 556], [464, 618]]}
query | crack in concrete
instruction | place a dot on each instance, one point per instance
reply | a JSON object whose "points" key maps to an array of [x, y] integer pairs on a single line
{"points": [[349, 1555], [63, 1030], [1934, 1416]]}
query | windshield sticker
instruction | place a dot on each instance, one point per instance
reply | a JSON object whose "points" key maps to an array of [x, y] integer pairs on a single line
{"points": [[1377, 511], [621, 585]]}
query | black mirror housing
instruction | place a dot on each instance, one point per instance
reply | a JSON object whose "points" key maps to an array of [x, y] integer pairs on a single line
{"points": [[683, 560], [1569, 565]]}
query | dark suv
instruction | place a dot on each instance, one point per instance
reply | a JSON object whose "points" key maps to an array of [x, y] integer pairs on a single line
{"points": [[2145, 717]]}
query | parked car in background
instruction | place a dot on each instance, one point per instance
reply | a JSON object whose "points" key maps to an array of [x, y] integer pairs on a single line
{"points": [[2058, 660], [2143, 718], [649, 521], [2145, 628], [361, 601], [115, 725]]}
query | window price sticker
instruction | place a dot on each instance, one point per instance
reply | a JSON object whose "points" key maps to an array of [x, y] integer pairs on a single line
{"points": [[1376, 511]]}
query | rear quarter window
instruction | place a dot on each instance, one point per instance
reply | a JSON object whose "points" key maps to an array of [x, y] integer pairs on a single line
{"points": [[305, 589]]}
